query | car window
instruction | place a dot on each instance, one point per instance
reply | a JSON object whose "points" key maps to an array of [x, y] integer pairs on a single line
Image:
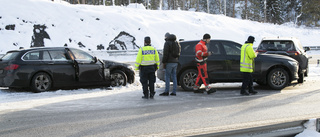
{"points": [[81, 55], [35, 55], [277, 46], [45, 55], [214, 48], [231, 48], [58, 55], [188, 47], [10, 56]]}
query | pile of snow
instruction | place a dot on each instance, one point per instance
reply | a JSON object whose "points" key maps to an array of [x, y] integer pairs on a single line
{"points": [[310, 130], [89, 27]]}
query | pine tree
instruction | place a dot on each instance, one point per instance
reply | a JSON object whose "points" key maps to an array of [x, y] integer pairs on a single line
{"points": [[274, 13], [311, 13]]}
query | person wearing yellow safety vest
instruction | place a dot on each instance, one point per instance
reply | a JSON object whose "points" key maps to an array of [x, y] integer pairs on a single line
{"points": [[147, 62], [247, 66]]}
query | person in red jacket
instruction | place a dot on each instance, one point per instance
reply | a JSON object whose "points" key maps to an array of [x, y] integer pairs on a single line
{"points": [[201, 59]]}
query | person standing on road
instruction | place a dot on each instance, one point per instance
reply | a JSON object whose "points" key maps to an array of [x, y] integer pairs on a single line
{"points": [[247, 66], [147, 62], [170, 60], [201, 59]]}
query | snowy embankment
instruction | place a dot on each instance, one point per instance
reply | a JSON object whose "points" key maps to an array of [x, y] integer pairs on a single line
{"points": [[98, 27], [91, 27]]}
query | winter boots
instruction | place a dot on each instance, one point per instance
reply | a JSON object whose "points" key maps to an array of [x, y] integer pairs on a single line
{"points": [[246, 93], [208, 89]]}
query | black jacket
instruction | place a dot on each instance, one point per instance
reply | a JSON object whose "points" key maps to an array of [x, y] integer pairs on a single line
{"points": [[167, 57]]}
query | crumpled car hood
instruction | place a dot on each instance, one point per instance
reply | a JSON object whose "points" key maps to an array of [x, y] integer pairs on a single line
{"points": [[109, 63]]}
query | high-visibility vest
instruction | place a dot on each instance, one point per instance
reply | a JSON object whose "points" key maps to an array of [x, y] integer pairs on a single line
{"points": [[147, 56], [247, 58]]}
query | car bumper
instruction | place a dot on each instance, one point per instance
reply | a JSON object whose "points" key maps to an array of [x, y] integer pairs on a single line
{"points": [[131, 76], [161, 74], [11, 81], [295, 74]]}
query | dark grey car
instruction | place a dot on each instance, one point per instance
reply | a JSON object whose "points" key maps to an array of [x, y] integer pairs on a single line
{"points": [[277, 71], [42, 69]]}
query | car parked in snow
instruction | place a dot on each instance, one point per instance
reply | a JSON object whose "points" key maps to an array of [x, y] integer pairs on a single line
{"points": [[42, 69], [288, 46], [277, 71]]}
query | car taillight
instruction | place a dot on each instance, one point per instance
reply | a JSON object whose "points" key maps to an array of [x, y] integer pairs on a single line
{"points": [[295, 52], [11, 67], [259, 51]]}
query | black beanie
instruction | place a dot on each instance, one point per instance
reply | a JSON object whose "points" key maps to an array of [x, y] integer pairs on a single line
{"points": [[206, 36], [147, 40], [250, 39]]}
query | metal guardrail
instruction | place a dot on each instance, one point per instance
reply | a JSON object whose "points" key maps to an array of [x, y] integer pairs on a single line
{"points": [[283, 129], [117, 52], [314, 47]]}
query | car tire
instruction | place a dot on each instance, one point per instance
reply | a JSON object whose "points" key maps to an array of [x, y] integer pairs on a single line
{"points": [[301, 78], [118, 78], [41, 82], [278, 78], [188, 79]]}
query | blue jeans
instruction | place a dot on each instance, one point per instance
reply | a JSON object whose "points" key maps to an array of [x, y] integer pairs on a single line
{"points": [[171, 72]]}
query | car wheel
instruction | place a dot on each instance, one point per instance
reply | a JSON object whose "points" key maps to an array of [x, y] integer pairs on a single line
{"points": [[41, 82], [278, 78], [118, 78], [301, 78], [188, 79]]}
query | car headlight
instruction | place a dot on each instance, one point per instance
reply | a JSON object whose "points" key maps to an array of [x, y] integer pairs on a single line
{"points": [[130, 67], [293, 63]]}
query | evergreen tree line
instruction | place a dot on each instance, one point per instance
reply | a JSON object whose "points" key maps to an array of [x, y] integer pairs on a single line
{"points": [[298, 12]]}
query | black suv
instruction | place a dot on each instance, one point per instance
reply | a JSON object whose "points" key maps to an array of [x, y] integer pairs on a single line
{"points": [[42, 69], [277, 71], [289, 46]]}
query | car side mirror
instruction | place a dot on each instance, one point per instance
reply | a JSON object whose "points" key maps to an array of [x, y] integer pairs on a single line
{"points": [[95, 60], [306, 48]]}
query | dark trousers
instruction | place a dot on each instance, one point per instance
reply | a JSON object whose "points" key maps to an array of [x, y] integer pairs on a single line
{"points": [[247, 81], [147, 79]]}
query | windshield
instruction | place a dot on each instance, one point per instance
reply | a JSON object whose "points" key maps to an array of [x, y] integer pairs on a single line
{"points": [[277, 46], [10, 56]]}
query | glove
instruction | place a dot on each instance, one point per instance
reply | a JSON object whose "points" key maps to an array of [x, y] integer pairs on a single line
{"points": [[156, 67]]}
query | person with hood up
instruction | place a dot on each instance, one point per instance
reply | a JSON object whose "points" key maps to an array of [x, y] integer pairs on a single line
{"points": [[247, 66], [170, 63]]}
